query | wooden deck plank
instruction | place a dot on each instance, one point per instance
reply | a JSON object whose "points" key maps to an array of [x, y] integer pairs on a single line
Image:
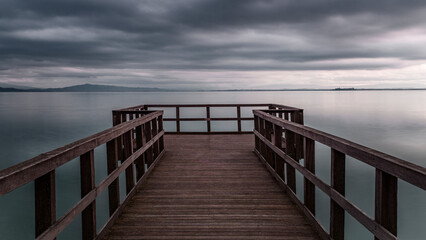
{"points": [[211, 187]]}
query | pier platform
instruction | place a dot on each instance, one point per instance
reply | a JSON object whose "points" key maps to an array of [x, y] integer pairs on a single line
{"points": [[211, 187]]}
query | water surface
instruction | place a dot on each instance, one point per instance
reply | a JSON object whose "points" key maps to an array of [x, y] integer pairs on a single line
{"points": [[390, 121]]}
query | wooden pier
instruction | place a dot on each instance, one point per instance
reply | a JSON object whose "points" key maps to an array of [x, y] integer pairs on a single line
{"points": [[239, 184], [211, 187]]}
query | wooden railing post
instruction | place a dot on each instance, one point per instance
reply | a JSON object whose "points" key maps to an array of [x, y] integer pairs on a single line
{"points": [[280, 114], [291, 152], [279, 162], [262, 132], [177, 120], [386, 201], [87, 174], [132, 131], [45, 202], [154, 133], [286, 116], [239, 118], [256, 138], [268, 135], [337, 213], [298, 118], [117, 119], [148, 136], [209, 129], [128, 151], [161, 128], [112, 164], [309, 187], [140, 162]]}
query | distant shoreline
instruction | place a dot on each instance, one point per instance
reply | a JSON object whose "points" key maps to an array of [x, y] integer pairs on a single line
{"points": [[108, 88]]}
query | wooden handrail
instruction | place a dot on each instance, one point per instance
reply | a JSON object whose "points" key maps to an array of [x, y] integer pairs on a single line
{"points": [[143, 109], [25, 172], [404, 170], [388, 169], [279, 110], [41, 170], [206, 105], [211, 119]]}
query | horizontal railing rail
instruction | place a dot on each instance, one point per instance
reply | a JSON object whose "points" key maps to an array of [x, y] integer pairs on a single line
{"points": [[269, 130], [138, 143], [133, 112]]}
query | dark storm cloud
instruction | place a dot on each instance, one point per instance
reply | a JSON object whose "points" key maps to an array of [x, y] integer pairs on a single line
{"points": [[206, 35], [246, 12]]}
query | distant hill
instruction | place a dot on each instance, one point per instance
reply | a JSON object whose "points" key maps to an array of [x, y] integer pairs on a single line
{"points": [[101, 88], [11, 86], [3, 89], [86, 88]]}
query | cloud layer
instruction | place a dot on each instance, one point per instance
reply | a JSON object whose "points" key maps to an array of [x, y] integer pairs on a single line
{"points": [[207, 44]]}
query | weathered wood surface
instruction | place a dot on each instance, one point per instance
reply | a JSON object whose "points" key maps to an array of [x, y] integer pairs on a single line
{"points": [[211, 187]]}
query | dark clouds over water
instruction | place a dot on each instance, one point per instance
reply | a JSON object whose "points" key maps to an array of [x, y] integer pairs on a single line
{"points": [[196, 43]]}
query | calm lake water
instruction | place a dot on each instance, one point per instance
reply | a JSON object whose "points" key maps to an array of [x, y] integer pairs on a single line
{"points": [[393, 122]]}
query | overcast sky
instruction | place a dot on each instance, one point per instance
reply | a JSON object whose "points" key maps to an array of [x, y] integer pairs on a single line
{"points": [[214, 44]]}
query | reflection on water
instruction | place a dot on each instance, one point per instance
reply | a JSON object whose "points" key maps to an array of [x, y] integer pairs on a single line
{"points": [[390, 121]]}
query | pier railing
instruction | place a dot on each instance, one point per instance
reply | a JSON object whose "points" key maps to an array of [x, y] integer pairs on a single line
{"points": [[293, 114], [282, 155], [137, 143]]}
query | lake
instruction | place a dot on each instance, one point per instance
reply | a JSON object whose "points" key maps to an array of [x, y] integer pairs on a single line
{"points": [[393, 122]]}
